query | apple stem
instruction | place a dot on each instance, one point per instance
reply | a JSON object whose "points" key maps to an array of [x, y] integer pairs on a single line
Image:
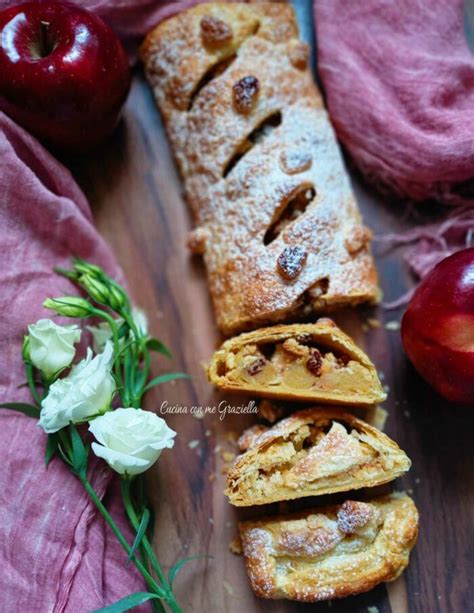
{"points": [[45, 47]]}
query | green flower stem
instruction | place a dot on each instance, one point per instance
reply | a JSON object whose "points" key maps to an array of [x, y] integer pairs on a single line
{"points": [[146, 367], [138, 347], [156, 605], [113, 326], [63, 437], [115, 529], [46, 386], [129, 508], [129, 372], [127, 316], [31, 383], [125, 487], [136, 400]]}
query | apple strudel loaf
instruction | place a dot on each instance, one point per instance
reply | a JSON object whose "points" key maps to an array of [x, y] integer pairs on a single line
{"points": [[313, 452], [310, 362], [276, 219], [330, 552]]}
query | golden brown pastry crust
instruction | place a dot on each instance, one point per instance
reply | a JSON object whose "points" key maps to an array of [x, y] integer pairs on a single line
{"points": [[280, 232], [313, 452], [312, 362], [330, 552]]}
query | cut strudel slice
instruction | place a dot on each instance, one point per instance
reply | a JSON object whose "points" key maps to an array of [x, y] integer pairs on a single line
{"points": [[313, 452], [312, 362], [330, 552]]}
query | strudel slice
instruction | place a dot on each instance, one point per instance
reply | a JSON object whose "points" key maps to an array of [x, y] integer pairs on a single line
{"points": [[276, 219], [313, 452], [330, 552], [312, 362]]}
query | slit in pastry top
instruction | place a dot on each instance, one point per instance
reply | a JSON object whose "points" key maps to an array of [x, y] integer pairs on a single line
{"points": [[310, 362], [313, 452], [212, 73], [289, 210], [258, 134]]}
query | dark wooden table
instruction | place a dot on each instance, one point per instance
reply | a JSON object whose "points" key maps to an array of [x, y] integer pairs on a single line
{"points": [[138, 205]]}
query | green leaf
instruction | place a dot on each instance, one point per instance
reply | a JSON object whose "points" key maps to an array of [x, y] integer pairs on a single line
{"points": [[179, 565], [127, 603], [127, 366], [30, 377], [155, 344], [140, 377], [79, 453], [123, 330], [140, 534], [22, 407], [165, 378], [51, 448]]}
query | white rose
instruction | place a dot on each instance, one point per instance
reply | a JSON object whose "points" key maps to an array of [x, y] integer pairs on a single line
{"points": [[87, 391], [130, 439], [103, 332], [51, 347]]}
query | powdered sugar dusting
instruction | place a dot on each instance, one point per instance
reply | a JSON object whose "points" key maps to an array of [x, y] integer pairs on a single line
{"points": [[353, 515], [237, 209]]}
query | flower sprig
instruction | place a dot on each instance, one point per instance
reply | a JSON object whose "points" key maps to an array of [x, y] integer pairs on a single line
{"points": [[67, 395]]}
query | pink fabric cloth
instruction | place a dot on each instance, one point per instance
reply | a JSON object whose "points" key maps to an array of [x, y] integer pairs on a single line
{"points": [[427, 244], [399, 81], [56, 553]]}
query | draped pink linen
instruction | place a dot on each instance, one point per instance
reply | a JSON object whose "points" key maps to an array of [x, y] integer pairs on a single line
{"points": [[399, 82], [56, 553]]}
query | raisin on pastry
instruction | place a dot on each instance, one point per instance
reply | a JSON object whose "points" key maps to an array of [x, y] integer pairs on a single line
{"points": [[262, 170], [310, 362], [330, 552], [313, 452]]}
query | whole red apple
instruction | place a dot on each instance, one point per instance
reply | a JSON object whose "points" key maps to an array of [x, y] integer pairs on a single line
{"points": [[64, 75], [438, 328]]}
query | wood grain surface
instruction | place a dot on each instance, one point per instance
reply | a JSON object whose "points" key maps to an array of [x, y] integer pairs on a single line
{"points": [[138, 205]]}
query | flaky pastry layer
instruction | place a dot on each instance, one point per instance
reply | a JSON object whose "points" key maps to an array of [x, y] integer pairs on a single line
{"points": [[276, 219], [330, 552], [313, 452], [312, 362]]}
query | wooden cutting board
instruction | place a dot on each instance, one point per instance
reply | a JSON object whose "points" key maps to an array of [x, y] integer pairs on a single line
{"points": [[138, 205]]}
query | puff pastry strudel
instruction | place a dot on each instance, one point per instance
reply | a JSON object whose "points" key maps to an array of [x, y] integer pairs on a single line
{"points": [[313, 452], [330, 552], [313, 362], [277, 222]]}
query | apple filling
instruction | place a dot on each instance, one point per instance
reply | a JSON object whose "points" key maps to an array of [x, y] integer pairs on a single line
{"points": [[310, 455], [296, 365], [313, 452]]}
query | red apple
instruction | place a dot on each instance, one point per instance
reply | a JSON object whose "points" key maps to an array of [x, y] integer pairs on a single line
{"points": [[64, 75], [438, 328]]}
